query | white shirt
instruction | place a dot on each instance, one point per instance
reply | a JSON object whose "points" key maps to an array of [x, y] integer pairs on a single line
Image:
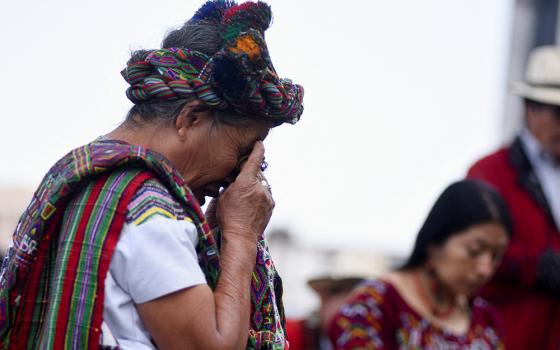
{"points": [[547, 171], [153, 259]]}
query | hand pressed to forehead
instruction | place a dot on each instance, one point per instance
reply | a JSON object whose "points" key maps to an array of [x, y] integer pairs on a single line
{"points": [[241, 163], [246, 205], [253, 165], [242, 160]]}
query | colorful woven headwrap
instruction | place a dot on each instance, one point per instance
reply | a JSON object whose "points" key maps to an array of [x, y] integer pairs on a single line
{"points": [[239, 77]]}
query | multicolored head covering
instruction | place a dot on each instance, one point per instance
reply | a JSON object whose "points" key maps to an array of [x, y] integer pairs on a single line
{"points": [[239, 77]]}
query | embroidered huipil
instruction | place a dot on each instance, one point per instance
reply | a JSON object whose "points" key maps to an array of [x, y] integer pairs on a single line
{"points": [[377, 317]]}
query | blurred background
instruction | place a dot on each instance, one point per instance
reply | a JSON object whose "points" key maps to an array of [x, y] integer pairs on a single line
{"points": [[401, 97]]}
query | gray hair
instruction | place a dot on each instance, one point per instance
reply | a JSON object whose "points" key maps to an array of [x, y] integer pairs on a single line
{"points": [[202, 36]]}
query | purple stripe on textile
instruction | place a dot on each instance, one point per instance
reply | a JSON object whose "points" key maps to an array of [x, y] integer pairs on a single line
{"points": [[88, 263], [70, 212], [151, 191], [150, 194]]}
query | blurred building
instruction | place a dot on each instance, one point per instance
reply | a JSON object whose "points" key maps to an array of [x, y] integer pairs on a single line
{"points": [[298, 262], [13, 202]]}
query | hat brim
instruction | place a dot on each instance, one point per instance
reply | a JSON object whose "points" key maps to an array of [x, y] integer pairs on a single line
{"points": [[330, 285], [550, 95]]}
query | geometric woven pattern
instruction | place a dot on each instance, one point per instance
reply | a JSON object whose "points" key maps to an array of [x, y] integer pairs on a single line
{"points": [[27, 291]]}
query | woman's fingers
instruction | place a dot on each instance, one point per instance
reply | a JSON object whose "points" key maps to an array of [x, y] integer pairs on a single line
{"points": [[252, 167], [211, 213]]}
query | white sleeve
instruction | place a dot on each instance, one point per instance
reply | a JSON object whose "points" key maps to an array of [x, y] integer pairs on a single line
{"points": [[156, 258]]}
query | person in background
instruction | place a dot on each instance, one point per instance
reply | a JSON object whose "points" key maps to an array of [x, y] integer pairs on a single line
{"points": [[311, 333], [114, 250], [429, 303], [526, 288]]}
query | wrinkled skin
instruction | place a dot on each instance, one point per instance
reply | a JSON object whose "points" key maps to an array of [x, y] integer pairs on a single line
{"points": [[208, 157]]}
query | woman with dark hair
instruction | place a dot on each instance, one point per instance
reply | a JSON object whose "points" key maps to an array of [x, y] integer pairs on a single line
{"points": [[429, 303], [114, 250]]}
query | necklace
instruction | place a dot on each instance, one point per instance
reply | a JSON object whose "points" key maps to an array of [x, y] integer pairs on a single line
{"points": [[429, 299]]}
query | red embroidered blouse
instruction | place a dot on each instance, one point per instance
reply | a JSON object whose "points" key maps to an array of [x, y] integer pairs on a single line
{"points": [[377, 317]]}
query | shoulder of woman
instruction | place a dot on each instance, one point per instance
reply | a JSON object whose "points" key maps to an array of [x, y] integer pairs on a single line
{"points": [[153, 200], [487, 316], [370, 295], [364, 320], [484, 311]]}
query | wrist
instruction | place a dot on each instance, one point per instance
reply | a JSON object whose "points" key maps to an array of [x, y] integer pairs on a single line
{"points": [[239, 244], [240, 236]]}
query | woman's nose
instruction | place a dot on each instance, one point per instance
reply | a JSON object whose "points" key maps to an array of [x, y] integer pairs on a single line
{"points": [[485, 265]]}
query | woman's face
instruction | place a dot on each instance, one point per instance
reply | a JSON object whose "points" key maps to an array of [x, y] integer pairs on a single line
{"points": [[213, 152], [468, 259]]}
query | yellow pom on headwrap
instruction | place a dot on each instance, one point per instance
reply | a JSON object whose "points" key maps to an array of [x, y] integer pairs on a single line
{"points": [[247, 45]]}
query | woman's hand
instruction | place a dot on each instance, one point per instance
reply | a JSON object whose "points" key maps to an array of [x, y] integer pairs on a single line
{"points": [[210, 213], [245, 206], [199, 317]]}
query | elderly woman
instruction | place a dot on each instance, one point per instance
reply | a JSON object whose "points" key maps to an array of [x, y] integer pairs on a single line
{"points": [[114, 250], [429, 303]]}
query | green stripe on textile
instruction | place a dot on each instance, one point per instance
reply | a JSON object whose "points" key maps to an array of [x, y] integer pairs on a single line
{"points": [[87, 158], [86, 278], [41, 316], [64, 247], [42, 298]]}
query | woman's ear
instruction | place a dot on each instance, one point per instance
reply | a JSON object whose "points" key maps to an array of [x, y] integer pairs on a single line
{"points": [[182, 125], [188, 117]]}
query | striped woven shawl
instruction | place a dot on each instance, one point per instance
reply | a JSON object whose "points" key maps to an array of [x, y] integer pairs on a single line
{"points": [[52, 283]]}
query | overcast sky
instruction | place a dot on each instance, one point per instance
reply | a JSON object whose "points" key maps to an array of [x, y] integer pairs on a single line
{"points": [[401, 96]]}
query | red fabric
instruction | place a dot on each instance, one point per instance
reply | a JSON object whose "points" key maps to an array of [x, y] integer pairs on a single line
{"points": [[531, 317], [377, 317], [73, 260], [23, 320], [295, 331], [108, 249]]}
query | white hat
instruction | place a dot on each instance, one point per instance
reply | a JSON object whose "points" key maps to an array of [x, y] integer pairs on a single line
{"points": [[542, 79]]}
